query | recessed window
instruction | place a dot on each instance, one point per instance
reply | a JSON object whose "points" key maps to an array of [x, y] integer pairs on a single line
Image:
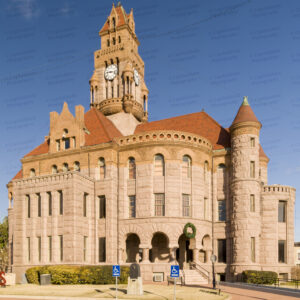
{"points": [[74, 141], [49, 203], [28, 249], [84, 204], [186, 166], [252, 203], [67, 143], [102, 167], [252, 142], [205, 171], [119, 39], [282, 211], [132, 207], [205, 208], [222, 250], [114, 41], [102, 249], [39, 240], [39, 202], [50, 248], [222, 210], [281, 251], [253, 249], [108, 43], [28, 205], [61, 247], [61, 202], [159, 205], [186, 205], [159, 165], [57, 145], [252, 169], [84, 247], [102, 207], [132, 168]]}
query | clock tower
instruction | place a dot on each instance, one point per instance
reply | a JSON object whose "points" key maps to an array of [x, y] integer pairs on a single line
{"points": [[117, 87]]}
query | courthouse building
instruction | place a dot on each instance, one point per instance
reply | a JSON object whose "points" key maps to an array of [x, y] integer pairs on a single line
{"points": [[107, 186]]}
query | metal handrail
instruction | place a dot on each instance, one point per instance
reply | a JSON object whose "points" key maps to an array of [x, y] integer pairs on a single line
{"points": [[200, 269]]}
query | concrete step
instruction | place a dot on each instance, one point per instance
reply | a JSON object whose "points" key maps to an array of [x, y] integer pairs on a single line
{"points": [[192, 277]]}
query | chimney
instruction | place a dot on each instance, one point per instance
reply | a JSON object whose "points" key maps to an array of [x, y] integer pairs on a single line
{"points": [[79, 113], [53, 119]]}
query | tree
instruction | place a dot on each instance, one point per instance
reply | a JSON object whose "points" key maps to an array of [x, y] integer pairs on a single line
{"points": [[4, 244]]}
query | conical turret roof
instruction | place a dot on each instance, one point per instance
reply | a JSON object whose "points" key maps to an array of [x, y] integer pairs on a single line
{"points": [[245, 113]]}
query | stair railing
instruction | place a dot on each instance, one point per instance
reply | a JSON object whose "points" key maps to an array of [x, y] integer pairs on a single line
{"points": [[200, 269]]}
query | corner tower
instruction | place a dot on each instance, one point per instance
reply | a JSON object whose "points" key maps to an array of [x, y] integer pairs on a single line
{"points": [[117, 86], [245, 189]]}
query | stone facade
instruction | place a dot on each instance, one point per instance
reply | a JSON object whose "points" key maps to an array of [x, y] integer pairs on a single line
{"points": [[105, 187]]}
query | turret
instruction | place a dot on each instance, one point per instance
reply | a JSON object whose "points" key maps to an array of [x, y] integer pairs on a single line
{"points": [[245, 189]]}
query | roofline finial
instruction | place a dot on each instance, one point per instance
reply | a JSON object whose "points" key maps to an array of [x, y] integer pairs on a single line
{"points": [[245, 100]]}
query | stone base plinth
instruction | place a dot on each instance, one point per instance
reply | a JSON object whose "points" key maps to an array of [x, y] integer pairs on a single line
{"points": [[135, 286], [10, 278]]}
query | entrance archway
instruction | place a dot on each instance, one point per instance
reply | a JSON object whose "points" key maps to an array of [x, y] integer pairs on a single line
{"points": [[184, 254], [132, 248], [160, 251]]}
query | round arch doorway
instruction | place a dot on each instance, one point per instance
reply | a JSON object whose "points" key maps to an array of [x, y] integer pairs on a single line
{"points": [[184, 254]]}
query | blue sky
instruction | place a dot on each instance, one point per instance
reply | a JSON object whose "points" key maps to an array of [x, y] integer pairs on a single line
{"points": [[198, 55]]}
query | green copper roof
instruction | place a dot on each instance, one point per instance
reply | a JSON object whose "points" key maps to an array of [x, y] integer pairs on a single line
{"points": [[245, 102]]}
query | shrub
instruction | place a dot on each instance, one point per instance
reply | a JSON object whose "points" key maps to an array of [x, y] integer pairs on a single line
{"points": [[32, 275], [62, 274], [259, 277]]}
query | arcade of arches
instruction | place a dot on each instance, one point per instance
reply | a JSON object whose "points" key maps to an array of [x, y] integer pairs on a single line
{"points": [[161, 252]]}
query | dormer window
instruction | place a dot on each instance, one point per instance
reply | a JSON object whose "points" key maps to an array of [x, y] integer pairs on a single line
{"points": [[57, 145], [67, 143], [32, 172], [54, 169], [76, 166], [65, 167]]}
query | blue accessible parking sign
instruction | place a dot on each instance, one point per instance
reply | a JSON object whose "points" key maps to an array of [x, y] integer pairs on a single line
{"points": [[116, 271], [174, 271]]}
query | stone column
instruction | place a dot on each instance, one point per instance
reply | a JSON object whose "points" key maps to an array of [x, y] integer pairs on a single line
{"points": [[145, 255], [91, 93], [208, 254], [195, 255]]}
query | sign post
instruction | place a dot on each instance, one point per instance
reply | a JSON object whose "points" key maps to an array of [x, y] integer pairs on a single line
{"points": [[116, 272], [174, 274]]}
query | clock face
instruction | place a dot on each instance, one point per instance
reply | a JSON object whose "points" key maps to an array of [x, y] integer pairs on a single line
{"points": [[111, 72], [136, 77]]}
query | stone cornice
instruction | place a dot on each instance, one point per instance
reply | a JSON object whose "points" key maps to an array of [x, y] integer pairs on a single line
{"points": [[170, 137], [51, 177], [245, 128]]}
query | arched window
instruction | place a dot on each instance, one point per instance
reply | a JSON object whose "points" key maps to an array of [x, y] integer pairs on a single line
{"points": [[159, 165], [54, 169], [114, 41], [205, 170], [32, 172], [186, 167], [119, 39], [131, 168], [221, 166], [76, 166], [108, 43], [114, 22], [102, 167], [65, 167]]}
